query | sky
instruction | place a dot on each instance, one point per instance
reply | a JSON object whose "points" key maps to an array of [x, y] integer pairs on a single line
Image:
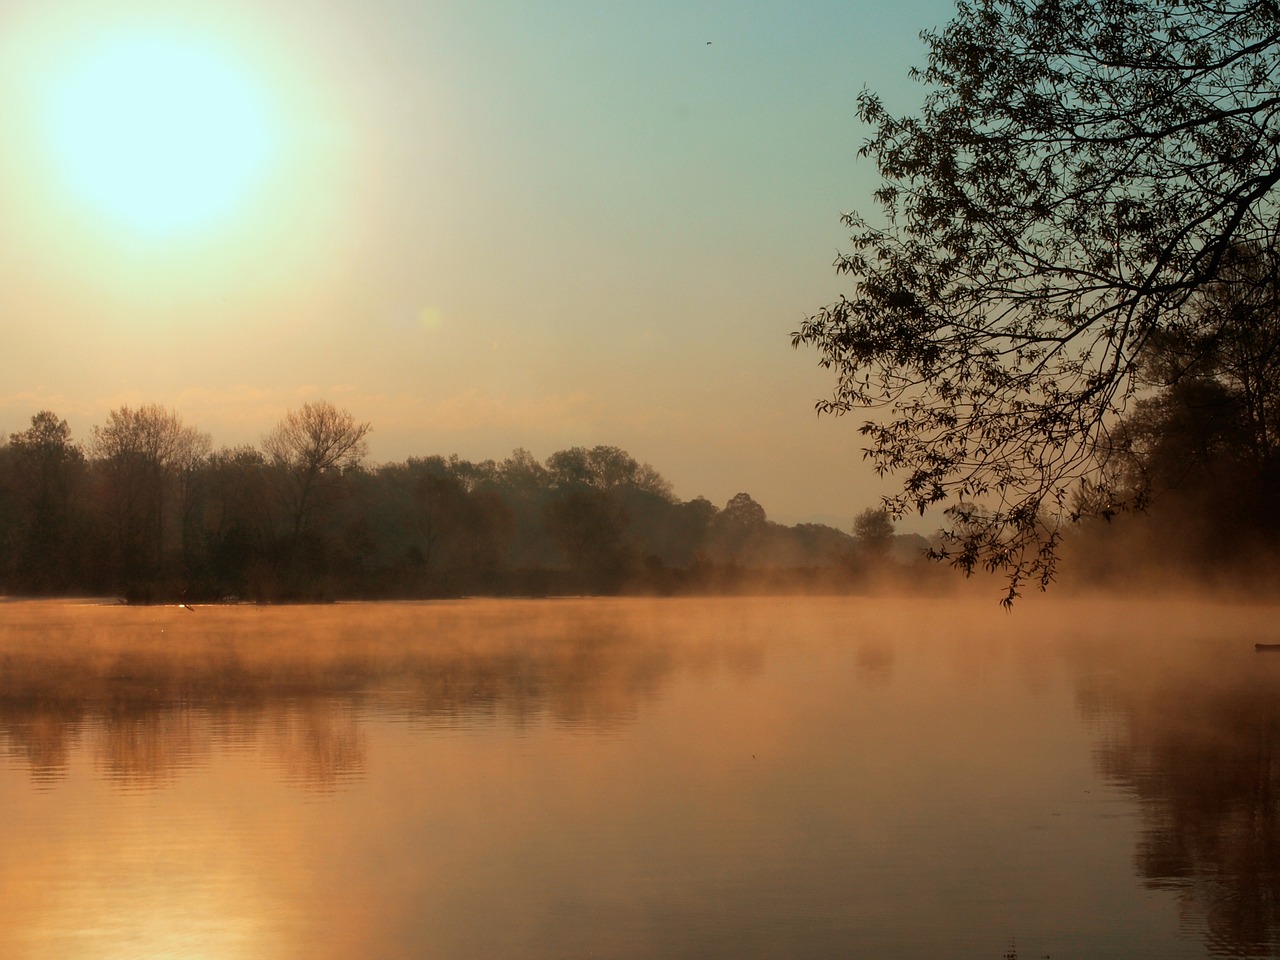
{"points": [[476, 224]]}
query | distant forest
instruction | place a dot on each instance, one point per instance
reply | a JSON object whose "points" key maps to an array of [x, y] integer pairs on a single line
{"points": [[148, 510]]}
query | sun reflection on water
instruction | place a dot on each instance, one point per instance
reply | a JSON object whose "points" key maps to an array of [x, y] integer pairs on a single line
{"points": [[145, 886]]}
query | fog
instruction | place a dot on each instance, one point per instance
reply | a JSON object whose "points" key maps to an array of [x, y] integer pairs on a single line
{"points": [[631, 777], [156, 687]]}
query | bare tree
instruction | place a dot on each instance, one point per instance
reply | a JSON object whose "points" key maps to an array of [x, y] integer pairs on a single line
{"points": [[312, 449]]}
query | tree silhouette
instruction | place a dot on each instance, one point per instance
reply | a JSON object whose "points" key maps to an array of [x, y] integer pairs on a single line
{"points": [[1229, 341], [1079, 171], [873, 528], [312, 448], [49, 472], [143, 456], [1200, 451], [589, 527], [151, 512]]}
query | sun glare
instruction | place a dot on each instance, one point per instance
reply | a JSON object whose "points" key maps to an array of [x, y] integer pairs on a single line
{"points": [[160, 133]]}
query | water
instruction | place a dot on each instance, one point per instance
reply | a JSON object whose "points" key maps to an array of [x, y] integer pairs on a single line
{"points": [[639, 779]]}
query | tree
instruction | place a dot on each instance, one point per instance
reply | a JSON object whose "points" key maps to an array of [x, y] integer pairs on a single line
{"points": [[236, 521], [187, 461], [464, 533], [1201, 451], [1079, 171], [604, 468], [873, 528], [312, 449], [525, 486], [143, 457], [693, 521], [602, 511], [737, 531], [589, 526], [48, 469], [742, 513], [1229, 343]]}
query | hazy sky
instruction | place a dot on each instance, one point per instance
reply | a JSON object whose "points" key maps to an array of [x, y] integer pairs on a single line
{"points": [[477, 224]]}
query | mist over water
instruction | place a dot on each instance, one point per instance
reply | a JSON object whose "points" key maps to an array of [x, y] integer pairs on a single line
{"points": [[801, 776]]}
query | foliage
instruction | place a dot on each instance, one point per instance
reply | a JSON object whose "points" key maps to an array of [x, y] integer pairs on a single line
{"points": [[1079, 172], [461, 530], [873, 529], [604, 468], [1227, 346], [742, 513], [151, 511], [1201, 450], [589, 528]]}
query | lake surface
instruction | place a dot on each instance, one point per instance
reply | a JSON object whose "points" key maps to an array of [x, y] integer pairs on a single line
{"points": [[734, 778]]}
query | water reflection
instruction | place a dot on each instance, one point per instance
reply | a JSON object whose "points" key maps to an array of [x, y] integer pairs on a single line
{"points": [[1193, 734], [154, 691], [744, 778]]}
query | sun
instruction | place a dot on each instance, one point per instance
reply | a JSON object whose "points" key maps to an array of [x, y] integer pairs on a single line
{"points": [[161, 133]]}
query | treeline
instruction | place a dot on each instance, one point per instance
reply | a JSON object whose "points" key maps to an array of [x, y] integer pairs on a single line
{"points": [[149, 510], [1197, 456]]}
